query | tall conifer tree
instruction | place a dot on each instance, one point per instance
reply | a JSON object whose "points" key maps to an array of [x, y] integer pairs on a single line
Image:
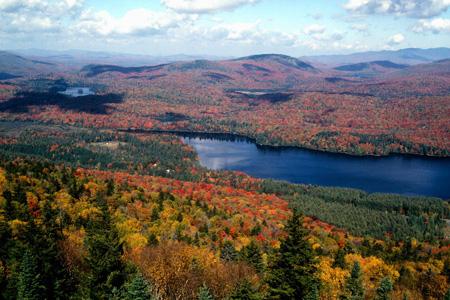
{"points": [[292, 273]]}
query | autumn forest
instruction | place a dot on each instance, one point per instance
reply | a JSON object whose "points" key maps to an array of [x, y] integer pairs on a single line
{"points": [[99, 199]]}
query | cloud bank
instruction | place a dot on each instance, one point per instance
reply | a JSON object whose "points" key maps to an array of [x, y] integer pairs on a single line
{"points": [[202, 6], [411, 8]]}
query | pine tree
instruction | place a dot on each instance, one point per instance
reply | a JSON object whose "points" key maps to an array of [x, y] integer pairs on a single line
{"points": [[252, 255], [204, 293], [110, 187], [447, 296], [105, 250], [354, 285], [339, 260], [384, 290], [155, 214], [5, 241], [29, 285], [55, 277], [245, 291], [446, 270], [138, 289], [314, 294], [228, 252], [292, 273], [152, 240]]}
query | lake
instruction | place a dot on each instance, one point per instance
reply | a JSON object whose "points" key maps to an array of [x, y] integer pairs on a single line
{"points": [[77, 92], [402, 174]]}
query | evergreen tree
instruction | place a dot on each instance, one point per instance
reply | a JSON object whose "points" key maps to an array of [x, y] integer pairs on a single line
{"points": [[384, 290], [245, 291], [292, 273], [228, 252], [138, 289], [252, 255], [29, 284], [204, 293], [354, 285], [152, 240], [5, 236], [110, 187], [339, 260], [155, 214], [314, 294], [55, 276], [446, 270], [105, 250], [447, 296]]}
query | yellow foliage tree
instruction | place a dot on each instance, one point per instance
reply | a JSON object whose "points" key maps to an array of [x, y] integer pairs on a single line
{"points": [[177, 270], [374, 269], [333, 279]]}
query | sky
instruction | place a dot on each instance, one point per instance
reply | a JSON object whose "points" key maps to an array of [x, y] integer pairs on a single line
{"points": [[224, 27]]}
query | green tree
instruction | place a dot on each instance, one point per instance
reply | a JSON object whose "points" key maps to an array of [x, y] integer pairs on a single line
{"points": [[55, 277], [447, 296], [314, 294], [228, 252], [354, 286], [155, 214], [385, 289], [5, 236], [204, 293], [107, 271], [292, 273], [29, 284], [252, 255], [138, 289], [245, 291], [339, 260], [446, 270]]}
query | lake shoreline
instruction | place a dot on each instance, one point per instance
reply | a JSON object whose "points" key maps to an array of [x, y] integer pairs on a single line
{"points": [[396, 174], [278, 147]]}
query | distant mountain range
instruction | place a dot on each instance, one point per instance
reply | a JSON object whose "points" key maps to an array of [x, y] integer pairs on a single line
{"points": [[261, 69], [12, 65], [386, 64], [77, 58], [409, 56]]}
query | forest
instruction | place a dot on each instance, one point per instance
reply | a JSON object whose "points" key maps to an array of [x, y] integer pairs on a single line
{"points": [[267, 98], [99, 214]]}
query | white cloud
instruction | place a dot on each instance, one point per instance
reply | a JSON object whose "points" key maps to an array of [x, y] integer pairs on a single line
{"points": [[360, 27], [396, 39], [314, 29], [36, 15], [204, 6], [134, 22], [355, 46], [244, 33], [39, 6], [436, 25], [318, 33], [411, 8]]}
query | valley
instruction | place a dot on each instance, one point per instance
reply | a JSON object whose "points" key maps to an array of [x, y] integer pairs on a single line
{"points": [[276, 100], [224, 150], [166, 179]]}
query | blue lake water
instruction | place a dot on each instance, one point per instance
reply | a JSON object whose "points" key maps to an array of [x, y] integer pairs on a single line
{"points": [[402, 174], [77, 92]]}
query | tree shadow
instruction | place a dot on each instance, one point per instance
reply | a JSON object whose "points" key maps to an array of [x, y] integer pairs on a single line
{"points": [[93, 104]]}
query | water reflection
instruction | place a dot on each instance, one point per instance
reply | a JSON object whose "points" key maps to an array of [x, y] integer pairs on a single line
{"points": [[410, 175]]}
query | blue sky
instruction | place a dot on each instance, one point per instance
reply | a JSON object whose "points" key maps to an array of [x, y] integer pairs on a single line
{"points": [[224, 27]]}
